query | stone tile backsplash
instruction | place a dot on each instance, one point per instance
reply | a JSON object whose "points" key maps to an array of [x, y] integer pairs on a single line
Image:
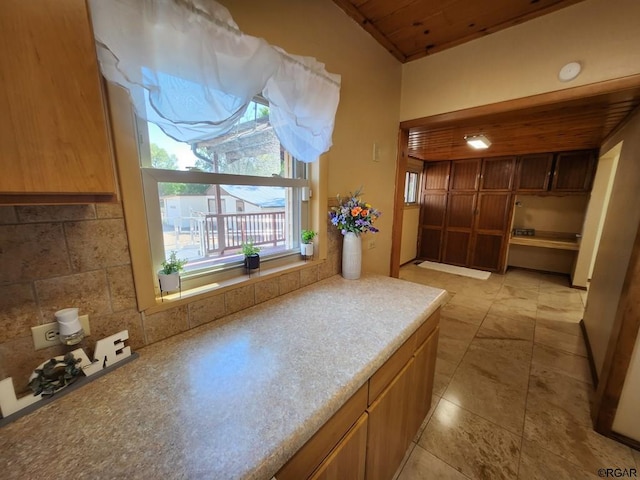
{"points": [[55, 257]]}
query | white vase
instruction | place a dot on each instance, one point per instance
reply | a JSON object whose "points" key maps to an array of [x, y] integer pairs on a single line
{"points": [[351, 256]]}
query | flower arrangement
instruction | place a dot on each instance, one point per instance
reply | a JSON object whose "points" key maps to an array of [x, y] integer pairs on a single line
{"points": [[354, 215]]}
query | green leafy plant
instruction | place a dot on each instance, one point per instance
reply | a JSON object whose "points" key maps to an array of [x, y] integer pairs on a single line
{"points": [[173, 265], [248, 248], [308, 236], [55, 374]]}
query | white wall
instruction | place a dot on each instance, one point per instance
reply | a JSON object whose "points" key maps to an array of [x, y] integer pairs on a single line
{"points": [[409, 244], [618, 235], [525, 59], [369, 98], [595, 217]]}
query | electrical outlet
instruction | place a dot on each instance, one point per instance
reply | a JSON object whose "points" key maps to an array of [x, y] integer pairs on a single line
{"points": [[371, 244], [47, 335]]}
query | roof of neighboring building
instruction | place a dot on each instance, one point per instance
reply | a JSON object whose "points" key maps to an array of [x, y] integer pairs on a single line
{"points": [[265, 197]]}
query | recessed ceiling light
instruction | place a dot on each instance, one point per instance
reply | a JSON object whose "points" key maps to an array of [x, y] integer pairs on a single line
{"points": [[477, 141], [570, 71]]}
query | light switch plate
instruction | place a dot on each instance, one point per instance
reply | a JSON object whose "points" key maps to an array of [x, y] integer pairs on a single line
{"points": [[47, 335]]}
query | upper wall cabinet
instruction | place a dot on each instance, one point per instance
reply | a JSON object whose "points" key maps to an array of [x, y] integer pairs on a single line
{"points": [[573, 171], [54, 142], [534, 172], [497, 173], [570, 172], [465, 175]]}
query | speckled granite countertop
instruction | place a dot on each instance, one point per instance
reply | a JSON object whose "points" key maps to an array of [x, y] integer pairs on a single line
{"points": [[226, 400]]}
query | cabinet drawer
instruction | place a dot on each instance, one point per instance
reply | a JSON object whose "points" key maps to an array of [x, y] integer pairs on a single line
{"points": [[391, 367], [427, 328], [311, 455]]}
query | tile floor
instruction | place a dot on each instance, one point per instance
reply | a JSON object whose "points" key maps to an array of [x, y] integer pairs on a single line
{"points": [[512, 384]]}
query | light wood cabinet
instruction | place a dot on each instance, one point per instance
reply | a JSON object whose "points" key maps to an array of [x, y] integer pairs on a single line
{"points": [[314, 452], [54, 141], [389, 433], [347, 460], [423, 375], [396, 414], [369, 436]]}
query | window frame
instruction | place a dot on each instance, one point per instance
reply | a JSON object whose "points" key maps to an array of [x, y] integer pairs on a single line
{"points": [[415, 190], [152, 176], [145, 280]]}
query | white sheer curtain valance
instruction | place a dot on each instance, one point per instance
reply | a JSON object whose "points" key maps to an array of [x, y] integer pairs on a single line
{"points": [[191, 71]]}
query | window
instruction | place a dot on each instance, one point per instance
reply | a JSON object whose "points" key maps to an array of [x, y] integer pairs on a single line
{"points": [[411, 185], [206, 199]]}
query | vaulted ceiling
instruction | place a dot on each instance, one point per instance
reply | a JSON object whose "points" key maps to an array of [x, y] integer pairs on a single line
{"points": [[411, 29]]}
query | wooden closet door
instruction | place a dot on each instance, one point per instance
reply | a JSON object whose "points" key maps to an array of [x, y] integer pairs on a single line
{"points": [[461, 203], [433, 210], [459, 226], [491, 231]]}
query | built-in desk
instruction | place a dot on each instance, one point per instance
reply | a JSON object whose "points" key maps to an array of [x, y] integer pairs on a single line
{"points": [[545, 251], [560, 241]]}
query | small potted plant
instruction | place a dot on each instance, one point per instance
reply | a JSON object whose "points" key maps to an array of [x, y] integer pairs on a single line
{"points": [[306, 247], [169, 274], [251, 255]]}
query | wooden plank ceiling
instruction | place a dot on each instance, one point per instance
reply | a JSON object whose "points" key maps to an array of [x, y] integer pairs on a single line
{"points": [[571, 125], [411, 29]]}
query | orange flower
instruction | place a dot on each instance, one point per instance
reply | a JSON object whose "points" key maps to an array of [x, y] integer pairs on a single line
{"points": [[355, 211], [364, 212]]}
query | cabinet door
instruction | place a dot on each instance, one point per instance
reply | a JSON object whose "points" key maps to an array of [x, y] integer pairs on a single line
{"points": [[534, 172], [433, 209], [347, 460], [423, 373], [497, 173], [432, 217], [491, 230], [465, 175], [389, 435], [436, 175], [53, 128], [573, 172], [459, 226], [324, 441]]}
